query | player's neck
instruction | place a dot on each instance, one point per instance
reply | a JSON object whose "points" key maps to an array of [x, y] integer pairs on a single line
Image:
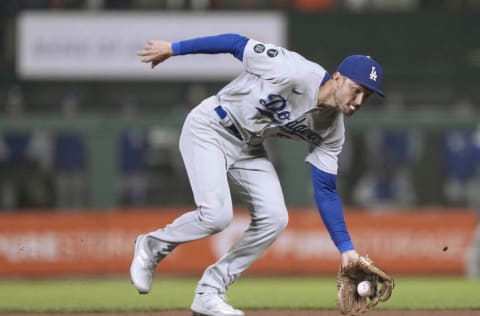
{"points": [[326, 97]]}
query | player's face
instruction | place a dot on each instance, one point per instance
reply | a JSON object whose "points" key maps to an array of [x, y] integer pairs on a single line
{"points": [[350, 96]]}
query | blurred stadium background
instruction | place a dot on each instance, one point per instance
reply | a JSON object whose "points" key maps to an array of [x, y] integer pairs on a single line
{"points": [[88, 135]]}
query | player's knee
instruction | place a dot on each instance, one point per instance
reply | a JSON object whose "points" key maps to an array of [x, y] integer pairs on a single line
{"points": [[278, 222], [221, 220], [216, 219], [281, 222]]}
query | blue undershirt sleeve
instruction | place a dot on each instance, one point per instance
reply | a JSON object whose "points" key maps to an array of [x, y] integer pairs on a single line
{"points": [[224, 43], [330, 208]]}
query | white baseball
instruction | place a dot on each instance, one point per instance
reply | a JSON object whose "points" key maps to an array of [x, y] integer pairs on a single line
{"points": [[364, 288]]}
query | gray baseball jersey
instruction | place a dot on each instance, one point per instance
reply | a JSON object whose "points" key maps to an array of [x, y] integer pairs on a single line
{"points": [[276, 96]]}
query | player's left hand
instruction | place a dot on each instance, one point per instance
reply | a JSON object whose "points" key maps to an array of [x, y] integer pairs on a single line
{"points": [[350, 275], [155, 52]]}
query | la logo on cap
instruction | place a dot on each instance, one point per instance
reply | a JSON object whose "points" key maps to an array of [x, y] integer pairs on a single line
{"points": [[373, 74]]}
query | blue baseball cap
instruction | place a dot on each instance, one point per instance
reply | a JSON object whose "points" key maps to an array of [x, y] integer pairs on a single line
{"points": [[364, 71]]}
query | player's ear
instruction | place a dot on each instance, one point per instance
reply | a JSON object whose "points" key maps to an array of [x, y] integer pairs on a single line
{"points": [[336, 75], [337, 78]]}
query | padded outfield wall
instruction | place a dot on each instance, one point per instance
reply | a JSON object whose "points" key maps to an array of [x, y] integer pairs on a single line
{"points": [[426, 242]]}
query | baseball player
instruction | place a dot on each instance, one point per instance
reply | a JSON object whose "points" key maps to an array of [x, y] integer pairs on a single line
{"points": [[279, 94]]}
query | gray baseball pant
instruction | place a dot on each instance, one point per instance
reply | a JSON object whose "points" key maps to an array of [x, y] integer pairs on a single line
{"points": [[210, 152]]}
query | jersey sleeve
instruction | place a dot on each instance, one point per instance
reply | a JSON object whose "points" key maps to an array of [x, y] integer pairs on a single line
{"points": [[325, 156], [324, 159], [216, 44], [268, 60], [330, 208]]}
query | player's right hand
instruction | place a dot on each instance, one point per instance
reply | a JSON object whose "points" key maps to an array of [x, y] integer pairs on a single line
{"points": [[155, 52]]}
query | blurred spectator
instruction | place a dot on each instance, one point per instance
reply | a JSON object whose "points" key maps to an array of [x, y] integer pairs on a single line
{"points": [[245, 4], [66, 4], [16, 6], [23, 161], [356, 5], [148, 4], [392, 153], [432, 3], [473, 255], [449, 4], [313, 5], [132, 148], [381, 5], [117, 4], [69, 159], [172, 4], [461, 159], [394, 5], [93, 5]]}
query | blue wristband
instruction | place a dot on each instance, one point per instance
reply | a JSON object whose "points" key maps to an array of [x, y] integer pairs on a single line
{"points": [[176, 48]]}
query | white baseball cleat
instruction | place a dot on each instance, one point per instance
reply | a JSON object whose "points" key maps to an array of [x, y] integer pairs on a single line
{"points": [[148, 253], [213, 304]]}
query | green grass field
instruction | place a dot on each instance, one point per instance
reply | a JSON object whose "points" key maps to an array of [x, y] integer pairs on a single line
{"points": [[101, 295]]}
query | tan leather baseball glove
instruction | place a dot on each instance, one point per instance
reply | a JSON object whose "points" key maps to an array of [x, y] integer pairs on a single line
{"points": [[348, 277]]}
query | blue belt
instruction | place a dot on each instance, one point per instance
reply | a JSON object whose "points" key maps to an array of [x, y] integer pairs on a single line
{"points": [[227, 122]]}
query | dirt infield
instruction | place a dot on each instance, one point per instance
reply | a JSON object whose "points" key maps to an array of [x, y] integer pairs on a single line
{"points": [[266, 313]]}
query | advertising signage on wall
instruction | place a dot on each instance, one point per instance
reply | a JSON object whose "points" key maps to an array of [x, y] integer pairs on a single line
{"points": [[100, 243], [103, 46]]}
